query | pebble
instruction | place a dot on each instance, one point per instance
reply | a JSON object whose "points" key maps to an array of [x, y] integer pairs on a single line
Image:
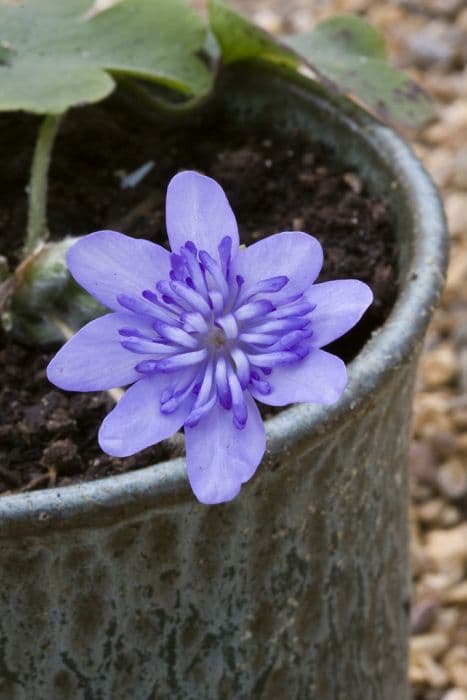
{"points": [[457, 594], [445, 545], [456, 212], [452, 478], [455, 662], [457, 274], [459, 168], [436, 43], [269, 20], [440, 164], [423, 669], [423, 616], [455, 694], [447, 620], [440, 366], [433, 644]]}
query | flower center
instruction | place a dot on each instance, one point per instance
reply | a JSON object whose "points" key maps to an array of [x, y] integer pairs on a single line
{"points": [[216, 338], [218, 335]]}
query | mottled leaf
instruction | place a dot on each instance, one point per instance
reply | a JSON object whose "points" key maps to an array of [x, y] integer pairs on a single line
{"points": [[344, 53], [56, 56], [350, 57]]}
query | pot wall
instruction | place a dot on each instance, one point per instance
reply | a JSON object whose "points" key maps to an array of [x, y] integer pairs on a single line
{"points": [[128, 589]]}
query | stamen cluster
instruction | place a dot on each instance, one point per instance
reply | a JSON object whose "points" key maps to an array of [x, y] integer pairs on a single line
{"points": [[231, 334]]}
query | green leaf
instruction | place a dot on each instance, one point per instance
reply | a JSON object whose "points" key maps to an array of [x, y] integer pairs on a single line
{"points": [[344, 53], [55, 55], [350, 57], [239, 39]]}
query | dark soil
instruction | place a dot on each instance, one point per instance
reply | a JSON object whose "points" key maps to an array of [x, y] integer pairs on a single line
{"points": [[47, 436]]}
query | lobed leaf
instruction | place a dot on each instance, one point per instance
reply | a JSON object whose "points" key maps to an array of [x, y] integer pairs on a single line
{"points": [[344, 53], [350, 57], [54, 54]]}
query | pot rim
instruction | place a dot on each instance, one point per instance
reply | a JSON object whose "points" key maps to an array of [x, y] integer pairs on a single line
{"points": [[165, 483]]}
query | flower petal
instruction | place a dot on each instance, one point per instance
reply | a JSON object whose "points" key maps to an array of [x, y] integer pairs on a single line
{"points": [[136, 422], [107, 263], [294, 254], [339, 305], [197, 210], [319, 378], [94, 359], [220, 458]]}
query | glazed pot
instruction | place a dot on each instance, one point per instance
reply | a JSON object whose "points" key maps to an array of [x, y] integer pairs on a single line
{"points": [[126, 588]]}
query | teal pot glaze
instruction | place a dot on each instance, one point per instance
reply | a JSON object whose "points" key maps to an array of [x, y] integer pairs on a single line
{"points": [[128, 589]]}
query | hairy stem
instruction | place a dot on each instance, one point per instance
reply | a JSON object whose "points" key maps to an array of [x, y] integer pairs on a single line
{"points": [[37, 213]]}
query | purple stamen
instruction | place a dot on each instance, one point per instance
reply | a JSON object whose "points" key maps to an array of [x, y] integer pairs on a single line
{"points": [[225, 251], [176, 335], [190, 297], [146, 347], [229, 325], [261, 386], [216, 273], [182, 360], [253, 309], [242, 366], [222, 384]]}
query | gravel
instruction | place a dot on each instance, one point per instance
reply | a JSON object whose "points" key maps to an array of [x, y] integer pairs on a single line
{"points": [[429, 38]]}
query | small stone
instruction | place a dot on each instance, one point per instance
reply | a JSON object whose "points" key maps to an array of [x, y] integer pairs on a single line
{"points": [[448, 544], [440, 582], [457, 275], [440, 164], [435, 43], [423, 669], [269, 20], [455, 662], [455, 694], [449, 516], [301, 21], [447, 620], [353, 181], [423, 616], [434, 644], [459, 419], [430, 511], [298, 223], [457, 594], [440, 367], [459, 169], [452, 478], [447, 8], [462, 443], [456, 212]]}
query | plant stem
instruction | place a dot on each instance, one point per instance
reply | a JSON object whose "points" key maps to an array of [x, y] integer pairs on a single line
{"points": [[159, 104], [37, 212]]}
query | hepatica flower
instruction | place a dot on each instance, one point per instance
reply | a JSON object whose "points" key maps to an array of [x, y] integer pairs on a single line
{"points": [[203, 332]]}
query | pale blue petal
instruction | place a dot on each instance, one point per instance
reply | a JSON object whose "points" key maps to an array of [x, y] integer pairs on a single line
{"points": [[107, 263], [220, 458], [197, 210], [94, 359]]}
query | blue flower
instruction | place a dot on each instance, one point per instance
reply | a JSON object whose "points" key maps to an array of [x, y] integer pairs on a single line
{"points": [[203, 332]]}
